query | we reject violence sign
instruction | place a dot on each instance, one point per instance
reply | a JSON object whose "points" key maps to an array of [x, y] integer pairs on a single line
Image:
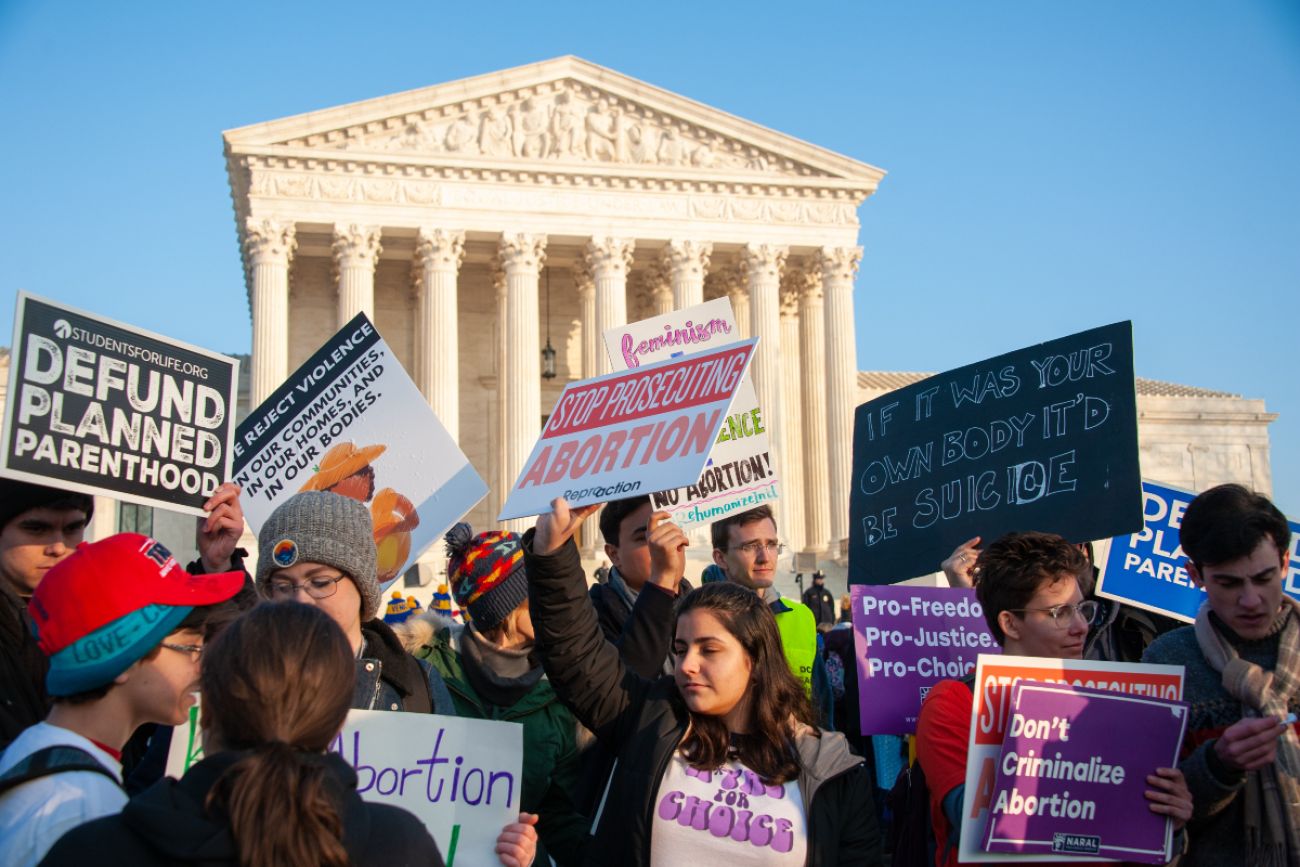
{"points": [[631, 433]]}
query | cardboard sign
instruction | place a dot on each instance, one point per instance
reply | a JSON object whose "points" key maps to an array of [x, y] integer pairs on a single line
{"points": [[630, 433], [995, 679], [739, 474], [104, 408], [460, 777], [1044, 438], [351, 421], [906, 640], [1148, 569], [1066, 785]]}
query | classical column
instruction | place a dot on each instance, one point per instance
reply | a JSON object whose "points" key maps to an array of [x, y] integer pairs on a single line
{"points": [[592, 343], [356, 250], [269, 246], [438, 256], [500, 484], [522, 256], [686, 263], [762, 264], [732, 281], [812, 370], [790, 427], [609, 260], [593, 348], [838, 265], [658, 284]]}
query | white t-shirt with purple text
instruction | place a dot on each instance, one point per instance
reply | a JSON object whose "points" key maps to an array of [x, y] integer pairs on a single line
{"points": [[728, 816]]}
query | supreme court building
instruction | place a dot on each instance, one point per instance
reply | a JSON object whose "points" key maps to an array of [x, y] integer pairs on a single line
{"points": [[478, 221]]}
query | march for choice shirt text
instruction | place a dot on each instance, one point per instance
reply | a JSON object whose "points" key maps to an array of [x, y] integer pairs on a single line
{"points": [[729, 813]]}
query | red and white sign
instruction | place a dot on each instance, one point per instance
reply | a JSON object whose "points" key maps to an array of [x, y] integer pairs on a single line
{"points": [[631, 433]]}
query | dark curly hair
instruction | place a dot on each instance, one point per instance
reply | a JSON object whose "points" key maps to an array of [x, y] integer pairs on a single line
{"points": [[1010, 571], [777, 701]]}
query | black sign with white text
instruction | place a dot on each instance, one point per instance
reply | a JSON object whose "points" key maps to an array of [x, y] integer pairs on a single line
{"points": [[1043, 438], [104, 408]]}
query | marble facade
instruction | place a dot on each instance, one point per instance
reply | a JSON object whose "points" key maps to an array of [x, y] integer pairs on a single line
{"points": [[476, 220]]}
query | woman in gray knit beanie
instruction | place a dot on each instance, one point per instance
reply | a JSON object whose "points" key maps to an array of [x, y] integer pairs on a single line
{"points": [[317, 548]]}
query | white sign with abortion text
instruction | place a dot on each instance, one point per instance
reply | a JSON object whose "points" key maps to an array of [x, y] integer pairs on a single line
{"points": [[460, 777], [739, 474]]}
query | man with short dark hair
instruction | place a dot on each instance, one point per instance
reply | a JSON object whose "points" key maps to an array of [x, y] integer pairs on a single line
{"points": [[1241, 755], [644, 552], [1030, 587], [121, 624], [39, 526], [745, 548]]}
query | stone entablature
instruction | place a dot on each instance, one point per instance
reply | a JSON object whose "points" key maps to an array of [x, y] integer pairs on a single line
{"points": [[1188, 437]]}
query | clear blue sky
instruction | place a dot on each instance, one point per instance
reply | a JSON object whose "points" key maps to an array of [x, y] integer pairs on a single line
{"points": [[1052, 166]]}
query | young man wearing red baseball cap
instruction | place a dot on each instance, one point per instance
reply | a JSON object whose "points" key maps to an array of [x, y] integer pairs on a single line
{"points": [[121, 623]]}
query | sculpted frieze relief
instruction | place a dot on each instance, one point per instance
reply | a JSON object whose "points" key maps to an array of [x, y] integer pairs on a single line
{"points": [[562, 122]]}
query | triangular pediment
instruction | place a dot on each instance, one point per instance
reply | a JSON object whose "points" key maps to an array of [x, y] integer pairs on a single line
{"points": [[562, 112]]}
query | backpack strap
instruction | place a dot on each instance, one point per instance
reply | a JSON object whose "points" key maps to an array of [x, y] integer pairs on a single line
{"points": [[53, 760]]}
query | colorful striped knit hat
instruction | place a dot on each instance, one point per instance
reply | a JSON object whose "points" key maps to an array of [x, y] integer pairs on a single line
{"points": [[487, 572]]}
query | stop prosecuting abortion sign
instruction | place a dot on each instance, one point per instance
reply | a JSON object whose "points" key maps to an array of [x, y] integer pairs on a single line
{"points": [[631, 433]]}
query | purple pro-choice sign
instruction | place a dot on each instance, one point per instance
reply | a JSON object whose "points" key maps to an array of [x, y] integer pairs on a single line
{"points": [[1072, 774], [907, 639]]}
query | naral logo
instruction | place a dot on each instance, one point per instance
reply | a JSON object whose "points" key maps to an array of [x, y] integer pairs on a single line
{"points": [[1075, 844], [62, 328]]}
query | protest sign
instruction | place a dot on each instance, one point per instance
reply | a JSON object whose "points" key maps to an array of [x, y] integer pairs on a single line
{"points": [[460, 777], [1148, 569], [1042, 438], [906, 640], [1067, 785], [995, 679], [630, 433], [105, 408], [723, 487], [351, 421]]}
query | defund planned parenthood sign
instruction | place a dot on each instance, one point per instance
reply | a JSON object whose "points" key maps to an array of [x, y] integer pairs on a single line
{"points": [[105, 408]]}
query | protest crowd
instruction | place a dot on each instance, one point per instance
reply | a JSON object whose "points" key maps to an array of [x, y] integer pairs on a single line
{"points": [[665, 718]]}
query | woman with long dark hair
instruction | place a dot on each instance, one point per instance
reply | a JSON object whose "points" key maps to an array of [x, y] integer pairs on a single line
{"points": [[276, 686], [720, 762]]}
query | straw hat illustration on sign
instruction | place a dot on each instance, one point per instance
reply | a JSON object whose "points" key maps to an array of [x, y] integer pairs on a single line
{"points": [[348, 471]]}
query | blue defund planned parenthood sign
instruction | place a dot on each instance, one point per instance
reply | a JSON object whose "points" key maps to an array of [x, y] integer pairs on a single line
{"points": [[1148, 569]]}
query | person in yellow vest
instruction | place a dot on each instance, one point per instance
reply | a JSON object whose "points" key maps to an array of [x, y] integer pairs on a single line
{"points": [[746, 548]]}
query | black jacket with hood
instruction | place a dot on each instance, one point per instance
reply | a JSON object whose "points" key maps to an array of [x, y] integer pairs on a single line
{"points": [[645, 720], [167, 824]]}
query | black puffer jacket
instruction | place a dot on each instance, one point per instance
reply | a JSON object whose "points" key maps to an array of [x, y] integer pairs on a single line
{"points": [[167, 824], [645, 721], [23, 701]]}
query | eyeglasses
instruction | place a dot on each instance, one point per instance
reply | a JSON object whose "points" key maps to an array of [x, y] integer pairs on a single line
{"points": [[316, 588], [751, 549], [195, 651], [1063, 614]]}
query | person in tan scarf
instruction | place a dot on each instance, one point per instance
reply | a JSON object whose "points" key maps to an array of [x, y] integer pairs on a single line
{"points": [[1241, 754]]}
